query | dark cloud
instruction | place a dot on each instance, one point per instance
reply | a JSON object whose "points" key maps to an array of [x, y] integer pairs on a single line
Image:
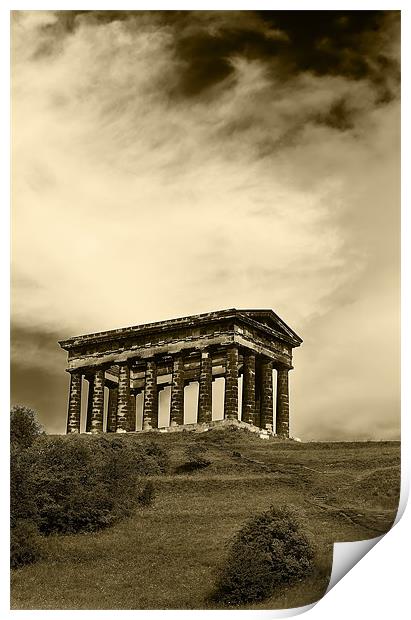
{"points": [[38, 377], [32, 338], [339, 116], [331, 42], [44, 392], [206, 56], [338, 43]]}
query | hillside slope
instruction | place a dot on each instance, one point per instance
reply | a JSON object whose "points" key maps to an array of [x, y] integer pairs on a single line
{"points": [[167, 555]]}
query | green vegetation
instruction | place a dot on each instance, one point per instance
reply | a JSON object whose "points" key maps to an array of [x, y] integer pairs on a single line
{"points": [[24, 427], [196, 458], [170, 553], [73, 484], [25, 543], [147, 495], [269, 551]]}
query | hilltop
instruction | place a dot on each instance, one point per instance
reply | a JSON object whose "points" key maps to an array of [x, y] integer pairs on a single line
{"points": [[166, 555]]}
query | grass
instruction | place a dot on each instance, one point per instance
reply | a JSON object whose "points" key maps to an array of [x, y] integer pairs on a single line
{"points": [[166, 556]]}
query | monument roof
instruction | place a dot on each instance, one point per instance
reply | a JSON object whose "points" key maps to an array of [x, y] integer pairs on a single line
{"points": [[264, 319]]}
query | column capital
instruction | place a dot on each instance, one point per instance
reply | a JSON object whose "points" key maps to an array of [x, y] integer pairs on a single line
{"points": [[281, 366]]}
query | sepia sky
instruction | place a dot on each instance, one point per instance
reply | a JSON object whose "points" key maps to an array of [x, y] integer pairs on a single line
{"points": [[173, 163]]}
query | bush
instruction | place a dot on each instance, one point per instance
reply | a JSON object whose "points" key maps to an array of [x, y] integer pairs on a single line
{"points": [[24, 427], [25, 543], [76, 483], [159, 455], [84, 484], [268, 552], [196, 457], [22, 487], [147, 496]]}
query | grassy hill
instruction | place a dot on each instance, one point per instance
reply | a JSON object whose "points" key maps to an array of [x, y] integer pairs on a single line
{"points": [[166, 556]]}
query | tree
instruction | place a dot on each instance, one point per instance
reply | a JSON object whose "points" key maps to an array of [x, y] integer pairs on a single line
{"points": [[268, 553], [24, 426]]}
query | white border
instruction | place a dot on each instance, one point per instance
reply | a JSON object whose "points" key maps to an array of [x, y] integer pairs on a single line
{"points": [[377, 587]]}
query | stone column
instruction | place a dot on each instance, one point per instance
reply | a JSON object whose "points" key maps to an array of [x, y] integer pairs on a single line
{"points": [[282, 405], [132, 413], [123, 399], [257, 417], [267, 394], [112, 410], [74, 404], [150, 416], [205, 388], [231, 384], [97, 411], [248, 407], [177, 391], [89, 414]]}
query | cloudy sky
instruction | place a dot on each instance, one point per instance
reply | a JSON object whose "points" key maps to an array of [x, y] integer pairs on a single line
{"points": [[172, 163]]}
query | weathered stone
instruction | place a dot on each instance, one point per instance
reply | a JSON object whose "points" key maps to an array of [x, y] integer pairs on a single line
{"points": [[132, 413], [282, 408], [248, 404], [205, 388], [97, 411], [267, 395], [179, 348], [89, 414], [257, 415], [74, 404], [123, 399], [259, 330], [112, 410], [150, 416], [177, 391], [231, 384]]}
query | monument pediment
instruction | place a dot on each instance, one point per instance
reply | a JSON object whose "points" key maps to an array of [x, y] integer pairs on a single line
{"points": [[270, 319]]}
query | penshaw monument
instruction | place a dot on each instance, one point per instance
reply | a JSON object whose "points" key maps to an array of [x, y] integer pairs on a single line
{"points": [[148, 358]]}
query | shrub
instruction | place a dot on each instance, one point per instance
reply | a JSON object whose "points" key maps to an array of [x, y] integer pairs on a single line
{"points": [[84, 484], [196, 455], [22, 488], [25, 543], [160, 456], [24, 427], [77, 483], [72, 484], [268, 552], [196, 459], [147, 496]]}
